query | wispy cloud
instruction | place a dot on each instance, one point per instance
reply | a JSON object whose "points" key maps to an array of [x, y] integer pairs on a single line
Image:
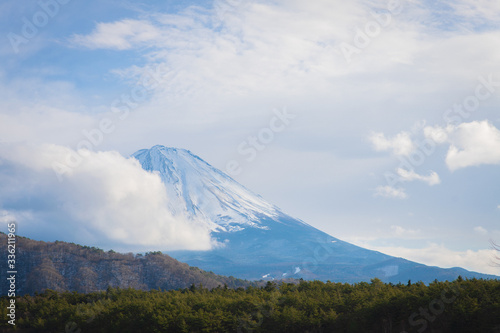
{"points": [[390, 192], [401, 144], [408, 176], [478, 11], [120, 35]]}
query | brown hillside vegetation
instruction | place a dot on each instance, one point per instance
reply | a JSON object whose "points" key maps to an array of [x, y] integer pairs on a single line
{"points": [[62, 266]]}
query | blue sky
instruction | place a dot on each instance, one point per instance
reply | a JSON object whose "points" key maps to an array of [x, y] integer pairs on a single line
{"points": [[393, 135]]}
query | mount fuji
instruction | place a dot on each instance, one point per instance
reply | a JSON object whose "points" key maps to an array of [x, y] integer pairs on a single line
{"points": [[259, 241]]}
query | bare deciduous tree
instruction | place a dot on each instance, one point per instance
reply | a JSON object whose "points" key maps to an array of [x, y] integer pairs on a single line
{"points": [[496, 247]]}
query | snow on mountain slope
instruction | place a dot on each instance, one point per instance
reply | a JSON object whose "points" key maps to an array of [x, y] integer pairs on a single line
{"points": [[198, 189]]}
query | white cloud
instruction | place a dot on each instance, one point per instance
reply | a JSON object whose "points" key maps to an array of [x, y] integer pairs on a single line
{"points": [[471, 144], [120, 35], [106, 200], [474, 144], [480, 230], [408, 176], [401, 144], [438, 134], [482, 261], [390, 192]]}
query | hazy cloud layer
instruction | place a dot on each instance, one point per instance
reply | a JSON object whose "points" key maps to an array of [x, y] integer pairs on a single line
{"points": [[438, 255]]}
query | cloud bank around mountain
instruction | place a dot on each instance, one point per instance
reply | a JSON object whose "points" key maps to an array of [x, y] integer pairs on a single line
{"points": [[100, 198]]}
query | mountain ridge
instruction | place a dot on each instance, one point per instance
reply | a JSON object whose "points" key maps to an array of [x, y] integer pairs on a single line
{"points": [[260, 240]]}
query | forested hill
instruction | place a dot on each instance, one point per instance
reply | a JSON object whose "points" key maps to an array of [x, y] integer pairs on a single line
{"points": [[65, 266]]}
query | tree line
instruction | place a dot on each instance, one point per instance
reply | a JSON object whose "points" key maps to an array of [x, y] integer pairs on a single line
{"points": [[464, 305]]}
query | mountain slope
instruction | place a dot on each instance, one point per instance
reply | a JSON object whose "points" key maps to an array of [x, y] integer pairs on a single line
{"points": [[66, 266], [261, 241]]}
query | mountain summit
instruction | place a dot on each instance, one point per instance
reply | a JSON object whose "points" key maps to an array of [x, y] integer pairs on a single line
{"points": [[259, 241], [199, 190]]}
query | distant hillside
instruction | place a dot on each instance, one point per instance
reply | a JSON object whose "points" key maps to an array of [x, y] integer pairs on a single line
{"points": [[64, 266]]}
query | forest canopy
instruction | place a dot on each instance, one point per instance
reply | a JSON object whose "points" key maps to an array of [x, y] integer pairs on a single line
{"points": [[459, 306]]}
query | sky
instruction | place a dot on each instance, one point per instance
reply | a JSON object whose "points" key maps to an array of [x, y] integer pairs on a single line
{"points": [[374, 121]]}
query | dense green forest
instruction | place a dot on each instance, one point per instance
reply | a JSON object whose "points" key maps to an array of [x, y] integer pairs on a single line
{"points": [[459, 306]]}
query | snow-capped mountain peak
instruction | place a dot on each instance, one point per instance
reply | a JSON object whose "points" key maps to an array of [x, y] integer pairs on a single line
{"points": [[201, 191]]}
